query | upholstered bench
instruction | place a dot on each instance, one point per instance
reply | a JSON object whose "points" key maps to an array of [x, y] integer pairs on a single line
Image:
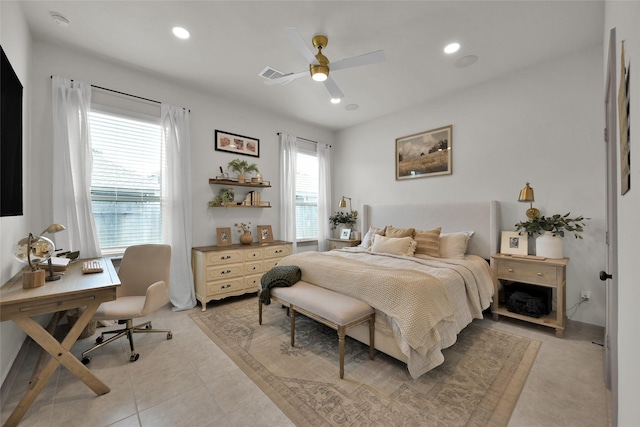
{"points": [[330, 308]]}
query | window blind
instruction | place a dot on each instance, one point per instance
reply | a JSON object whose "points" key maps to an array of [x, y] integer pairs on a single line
{"points": [[126, 179], [306, 196]]}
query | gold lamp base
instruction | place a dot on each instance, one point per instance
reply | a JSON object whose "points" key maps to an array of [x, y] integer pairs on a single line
{"points": [[32, 279], [533, 213]]}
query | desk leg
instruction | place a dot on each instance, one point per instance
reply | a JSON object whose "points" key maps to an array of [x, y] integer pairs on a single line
{"points": [[51, 328], [60, 355]]}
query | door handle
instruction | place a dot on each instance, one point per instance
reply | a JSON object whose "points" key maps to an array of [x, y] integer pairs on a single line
{"points": [[604, 276]]}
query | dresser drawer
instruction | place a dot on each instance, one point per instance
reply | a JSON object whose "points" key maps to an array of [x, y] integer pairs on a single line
{"points": [[277, 251], [527, 272], [268, 264], [251, 254], [252, 283], [253, 267], [224, 286], [221, 271], [224, 257]]}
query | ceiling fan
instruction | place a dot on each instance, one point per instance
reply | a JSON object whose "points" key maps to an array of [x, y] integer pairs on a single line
{"points": [[319, 66]]}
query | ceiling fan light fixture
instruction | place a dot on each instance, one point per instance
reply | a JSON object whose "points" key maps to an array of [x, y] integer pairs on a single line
{"points": [[335, 100], [181, 33], [319, 72], [451, 48]]}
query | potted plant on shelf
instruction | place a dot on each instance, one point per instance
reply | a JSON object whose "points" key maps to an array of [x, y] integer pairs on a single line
{"points": [[347, 219], [550, 231], [242, 168], [224, 198]]}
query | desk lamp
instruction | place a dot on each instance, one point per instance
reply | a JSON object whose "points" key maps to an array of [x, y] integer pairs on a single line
{"points": [[53, 228], [33, 250]]}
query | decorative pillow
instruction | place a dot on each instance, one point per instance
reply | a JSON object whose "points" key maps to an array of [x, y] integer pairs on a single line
{"points": [[394, 245], [454, 245], [428, 242], [368, 237], [391, 231]]}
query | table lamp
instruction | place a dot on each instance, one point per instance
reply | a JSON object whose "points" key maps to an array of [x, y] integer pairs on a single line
{"points": [[32, 250]]}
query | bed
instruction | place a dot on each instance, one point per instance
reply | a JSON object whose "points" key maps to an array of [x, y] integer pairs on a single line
{"points": [[422, 301]]}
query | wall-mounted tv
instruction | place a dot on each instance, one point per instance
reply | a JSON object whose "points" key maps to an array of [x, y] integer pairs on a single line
{"points": [[10, 140]]}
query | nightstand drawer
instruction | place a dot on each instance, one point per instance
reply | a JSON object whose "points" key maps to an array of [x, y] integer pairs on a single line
{"points": [[527, 272]]}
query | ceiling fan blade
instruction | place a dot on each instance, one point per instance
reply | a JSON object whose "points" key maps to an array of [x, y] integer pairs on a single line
{"points": [[287, 78], [333, 88], [298, 42], [357, 61]]}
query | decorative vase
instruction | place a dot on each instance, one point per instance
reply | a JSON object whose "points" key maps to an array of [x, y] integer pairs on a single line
{"points": [[246, 238], [549, 246]]}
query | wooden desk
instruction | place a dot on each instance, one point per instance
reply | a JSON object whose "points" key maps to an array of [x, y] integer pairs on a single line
{"points": [[74, 290]]}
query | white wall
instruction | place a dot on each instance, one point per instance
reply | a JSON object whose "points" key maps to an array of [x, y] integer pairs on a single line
{"points": [[16, 42], [542, 125], [208, 113], [624, 17]]}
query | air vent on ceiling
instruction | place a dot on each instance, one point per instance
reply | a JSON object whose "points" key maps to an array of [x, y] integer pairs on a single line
{"points": [[271, 73]]}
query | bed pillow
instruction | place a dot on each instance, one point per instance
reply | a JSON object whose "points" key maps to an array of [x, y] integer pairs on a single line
{"points": [[368, 237], [454, 245], [391, 231], [393, 245], [428, 242]]}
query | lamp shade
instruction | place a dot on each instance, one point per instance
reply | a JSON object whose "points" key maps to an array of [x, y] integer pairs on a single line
{"points": [[526, 194]]}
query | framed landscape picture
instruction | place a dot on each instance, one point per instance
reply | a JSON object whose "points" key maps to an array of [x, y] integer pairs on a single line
{"points": [[237, 144], [514, 243], [424, 154]]}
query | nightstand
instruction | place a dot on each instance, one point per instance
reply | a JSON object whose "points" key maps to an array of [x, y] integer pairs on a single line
{"points": [[341, 243], [550, 273]]}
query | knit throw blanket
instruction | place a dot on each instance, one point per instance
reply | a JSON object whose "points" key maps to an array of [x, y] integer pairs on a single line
{"points": [[415, 301], [281, 276]]}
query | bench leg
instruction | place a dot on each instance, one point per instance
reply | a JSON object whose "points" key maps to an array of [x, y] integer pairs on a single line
{"points": [[372, 334], [292, 316], [341, 334], [259, 312]]}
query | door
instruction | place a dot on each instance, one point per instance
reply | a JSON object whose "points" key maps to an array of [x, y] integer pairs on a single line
{"points": [[610, 276]]}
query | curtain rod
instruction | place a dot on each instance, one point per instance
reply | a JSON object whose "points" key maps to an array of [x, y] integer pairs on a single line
{"points": [[127, 94], [304, 139]]}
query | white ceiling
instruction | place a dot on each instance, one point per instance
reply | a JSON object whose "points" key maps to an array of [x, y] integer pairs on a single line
{"points": [[232, 41]]}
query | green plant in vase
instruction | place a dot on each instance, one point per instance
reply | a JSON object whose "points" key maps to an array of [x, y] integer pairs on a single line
{"points": [[242, 168], [346, 218]]}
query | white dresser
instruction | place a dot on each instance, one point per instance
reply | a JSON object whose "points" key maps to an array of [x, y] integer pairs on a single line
{"points": [[224, 271]]}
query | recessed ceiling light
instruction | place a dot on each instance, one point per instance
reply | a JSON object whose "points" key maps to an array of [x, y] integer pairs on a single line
{"points": [[352, 107], [465, 61], [181, 33], [335, 100], [451, 48], [59, 19]]}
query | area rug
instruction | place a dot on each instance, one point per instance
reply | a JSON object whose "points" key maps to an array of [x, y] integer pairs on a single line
{"points": [[477, 385]]}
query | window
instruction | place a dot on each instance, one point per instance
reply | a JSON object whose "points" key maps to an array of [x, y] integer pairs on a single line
{"points": [[126, 178], [306, 196]]}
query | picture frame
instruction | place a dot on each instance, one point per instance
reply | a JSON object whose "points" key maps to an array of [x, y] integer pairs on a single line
{"points": [[345, 234], [237, 144], [424, 154], [265, 234], [224, 236], [514, 243]]}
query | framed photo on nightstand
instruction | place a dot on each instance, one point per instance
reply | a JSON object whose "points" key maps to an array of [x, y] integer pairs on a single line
{"points": [[345, 234], [514, 243]]}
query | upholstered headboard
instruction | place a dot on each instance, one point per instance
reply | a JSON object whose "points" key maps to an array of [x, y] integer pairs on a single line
{"points": [[483, 218]]}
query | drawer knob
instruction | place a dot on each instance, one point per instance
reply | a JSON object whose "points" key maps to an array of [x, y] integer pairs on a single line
{"points": [[225, 257], [511, 270], [278, 251], [225, 272], [228, 285], [539, 274]]}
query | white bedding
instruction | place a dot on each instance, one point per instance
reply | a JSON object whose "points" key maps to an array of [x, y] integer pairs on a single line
{"points": [[468, 285]]}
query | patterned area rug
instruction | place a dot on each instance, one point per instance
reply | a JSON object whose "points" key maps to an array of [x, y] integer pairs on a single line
{"points": [[477, 385]]}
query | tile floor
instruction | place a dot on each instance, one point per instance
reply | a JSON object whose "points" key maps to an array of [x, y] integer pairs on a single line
{"points": [[189, 381]]}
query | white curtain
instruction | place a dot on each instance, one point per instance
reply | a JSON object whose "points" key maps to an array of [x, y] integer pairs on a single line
{"points": [[72, 165], [324, 195], [288, 153], [176, 203]]}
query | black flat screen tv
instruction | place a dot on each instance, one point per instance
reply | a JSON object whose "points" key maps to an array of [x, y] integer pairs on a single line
{"points": [[10, 140]]}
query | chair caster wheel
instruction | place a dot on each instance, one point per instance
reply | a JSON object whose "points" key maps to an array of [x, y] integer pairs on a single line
{"points": [[134, 357], [169, 335], [86, 360], [99, 339]]}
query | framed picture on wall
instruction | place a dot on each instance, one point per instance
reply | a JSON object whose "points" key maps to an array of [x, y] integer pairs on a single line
{"points": [[224, 236], [514, 243], [424, 154], [237, 144], [265, 234]]}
